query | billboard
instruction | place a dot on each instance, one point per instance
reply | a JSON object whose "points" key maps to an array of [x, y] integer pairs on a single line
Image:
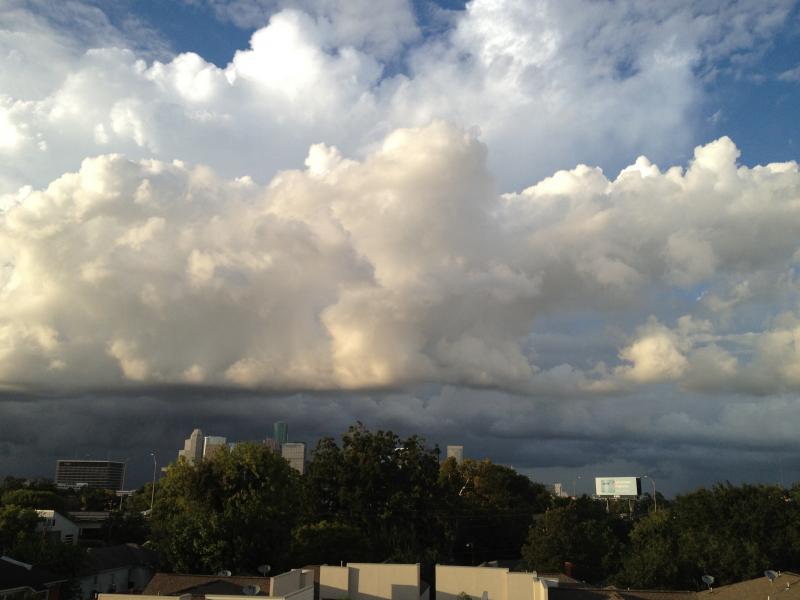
{"points": [[618, 486]]}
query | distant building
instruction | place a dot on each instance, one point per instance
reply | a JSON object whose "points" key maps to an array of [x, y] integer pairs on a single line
{"points": [[57, 527], [295, 453], [558, 490], [193, 448], [212, 444], [272, 445], [456, 452], [107, 474], [280, 433]]}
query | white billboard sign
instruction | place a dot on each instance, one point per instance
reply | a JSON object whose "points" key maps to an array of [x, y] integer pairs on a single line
{"points": [[617, 486]]}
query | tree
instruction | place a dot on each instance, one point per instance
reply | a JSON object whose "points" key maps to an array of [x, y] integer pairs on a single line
{"points": [[328, 542], [490, 508], [580, 532], [17, 523], [234, 511], [41, 499], [382, 486]]}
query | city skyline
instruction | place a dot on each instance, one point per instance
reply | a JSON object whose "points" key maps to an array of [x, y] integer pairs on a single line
{"points": [[562, 234]]}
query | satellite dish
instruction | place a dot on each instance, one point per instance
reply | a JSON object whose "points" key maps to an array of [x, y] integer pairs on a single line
{"points": [[771, 575], [224, 573], [708, 580], [251, 590], [264, 569]]}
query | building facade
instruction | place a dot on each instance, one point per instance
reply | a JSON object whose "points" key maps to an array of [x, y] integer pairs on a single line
{"points": [[193, 448], [456, 452], [107, 474], [280, 433], [212, 444], [295, 453]]}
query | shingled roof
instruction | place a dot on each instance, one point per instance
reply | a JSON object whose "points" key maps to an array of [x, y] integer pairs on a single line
{"points": [[173, 584], [15, 574], [785, 587]]}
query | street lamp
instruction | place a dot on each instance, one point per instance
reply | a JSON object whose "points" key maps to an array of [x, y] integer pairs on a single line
{"points": [[655, 500], [153, 491]]}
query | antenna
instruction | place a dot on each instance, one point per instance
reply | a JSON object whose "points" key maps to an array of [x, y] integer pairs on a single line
{"points": [[264, 569], [709, 581], [224, 573], [771, 575], [251, 590]]}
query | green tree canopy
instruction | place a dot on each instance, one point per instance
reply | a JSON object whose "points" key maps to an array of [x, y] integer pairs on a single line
{"points": [[580, 532], [490, 508], [235, 511], [382, 486]]}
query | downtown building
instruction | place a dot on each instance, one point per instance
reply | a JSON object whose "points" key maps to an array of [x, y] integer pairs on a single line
{"points": [[106, 474]]}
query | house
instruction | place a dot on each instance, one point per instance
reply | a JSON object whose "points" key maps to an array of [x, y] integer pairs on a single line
{"points": [[90, 523], [297, 584], [489, 583], [19, 580], [56, 526], [786, 586], [197, 586], [372, 581], [123, 568]]}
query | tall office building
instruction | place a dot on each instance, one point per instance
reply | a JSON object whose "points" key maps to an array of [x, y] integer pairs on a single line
{"points": [[272, 445], [456, 452], [193, 448], [212, 444], [295, 453], [280, 433], [107, 474]]}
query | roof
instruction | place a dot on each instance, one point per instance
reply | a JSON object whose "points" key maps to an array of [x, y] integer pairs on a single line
{"points": [[577, 593], [15, 574], [116, 557], [173, 584], [785, 587], [80, 516]]}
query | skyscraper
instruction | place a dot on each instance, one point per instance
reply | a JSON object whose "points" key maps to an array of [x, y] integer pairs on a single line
{"points": [[295, 453], [212, 443], [280, 433], [193, 448], [456, 452], [106, 474]]}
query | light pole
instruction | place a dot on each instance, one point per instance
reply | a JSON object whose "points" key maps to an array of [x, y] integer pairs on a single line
{"points": [[655, 500], [153, 490]]}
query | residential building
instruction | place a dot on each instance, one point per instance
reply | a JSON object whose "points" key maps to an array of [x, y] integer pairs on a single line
{"points": [[489, 583], [456, 452], [90, 523], [197, 586], [295, 453], [56, 526], [212, 444], [107, 474], [372, 581], [280, 433], [19, 580], [123, 568], [193, 448], [297, 584]]}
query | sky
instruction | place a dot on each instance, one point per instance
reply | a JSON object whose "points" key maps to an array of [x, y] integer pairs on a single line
{"points": [[561, 233]]}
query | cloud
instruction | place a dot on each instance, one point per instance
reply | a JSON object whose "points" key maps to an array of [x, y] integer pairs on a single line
{"points": [[402, 268], [547, 85]]}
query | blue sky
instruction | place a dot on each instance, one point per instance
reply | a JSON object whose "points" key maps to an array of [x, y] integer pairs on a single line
{"points": [[542, 229]]}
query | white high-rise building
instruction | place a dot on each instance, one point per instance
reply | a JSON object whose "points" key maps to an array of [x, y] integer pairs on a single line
{"points": [[212, 444], [193, 448], [295, 453], [456, 452]]}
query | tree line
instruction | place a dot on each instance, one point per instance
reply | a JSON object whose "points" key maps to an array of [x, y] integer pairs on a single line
{"points": [[373, 496]]}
